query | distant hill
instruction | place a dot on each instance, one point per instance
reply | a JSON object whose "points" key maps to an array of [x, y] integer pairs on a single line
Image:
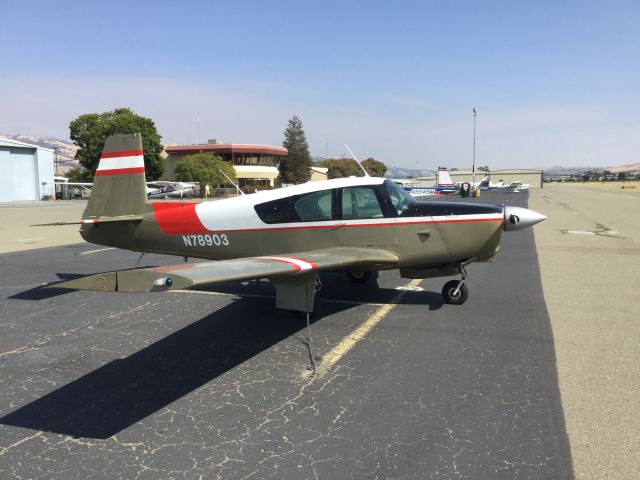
{"points": [[632, 167], [559, 170], [66, 151]]}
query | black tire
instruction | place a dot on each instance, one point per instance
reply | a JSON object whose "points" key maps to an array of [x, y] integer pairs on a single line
{"points": [[449, 288], [359, 277]]}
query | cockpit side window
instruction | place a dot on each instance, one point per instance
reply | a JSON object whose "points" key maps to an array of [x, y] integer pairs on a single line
{"points": [[360, 203]]}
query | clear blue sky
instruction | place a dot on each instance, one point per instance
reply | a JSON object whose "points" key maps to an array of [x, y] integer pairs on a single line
{"points": [[554, 82]]}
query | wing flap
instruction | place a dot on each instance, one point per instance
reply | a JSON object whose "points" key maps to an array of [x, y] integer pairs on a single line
{"points": [[182, 276]]}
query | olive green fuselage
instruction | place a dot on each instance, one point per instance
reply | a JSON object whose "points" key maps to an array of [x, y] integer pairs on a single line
{"points": [[423, 244]]}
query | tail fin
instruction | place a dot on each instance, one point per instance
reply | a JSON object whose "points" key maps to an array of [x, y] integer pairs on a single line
{"points": [[119, 186], [443, 179]]}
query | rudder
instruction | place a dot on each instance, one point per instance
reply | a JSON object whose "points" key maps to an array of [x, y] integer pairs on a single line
{"points": [[443, 178]]}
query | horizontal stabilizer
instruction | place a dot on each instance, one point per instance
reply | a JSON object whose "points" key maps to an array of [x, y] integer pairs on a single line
{"points": [[89, 221]]}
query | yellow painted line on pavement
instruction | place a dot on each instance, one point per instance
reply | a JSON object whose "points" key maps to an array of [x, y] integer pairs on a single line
{"points": [[98, 250], [342, 348], [347, 343]]}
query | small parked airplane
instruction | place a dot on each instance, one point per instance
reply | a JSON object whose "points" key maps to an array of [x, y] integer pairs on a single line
{"points": [[357, 225], [486, 184], [444, 186], [166, 189]]}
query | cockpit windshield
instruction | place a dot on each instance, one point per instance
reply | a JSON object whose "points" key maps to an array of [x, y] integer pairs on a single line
{"points": [[400, 199]]}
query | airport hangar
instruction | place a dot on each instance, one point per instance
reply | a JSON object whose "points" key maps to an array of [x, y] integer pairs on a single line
{"points": [[531, 177], [508, 176], [27, 171]]}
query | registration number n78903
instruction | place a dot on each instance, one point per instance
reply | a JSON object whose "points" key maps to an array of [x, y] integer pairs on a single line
{"points": [[213, 240]]}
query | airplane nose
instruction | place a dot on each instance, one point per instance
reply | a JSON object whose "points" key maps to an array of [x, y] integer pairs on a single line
{"points": [[517, 218]]}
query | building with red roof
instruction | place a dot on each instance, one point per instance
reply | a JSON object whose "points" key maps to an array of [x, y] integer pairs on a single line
{"points": [[254, 164]]}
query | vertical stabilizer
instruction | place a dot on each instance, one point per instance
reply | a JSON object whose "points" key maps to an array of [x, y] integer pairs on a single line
{"points": [[119, 186], [443, 179]]}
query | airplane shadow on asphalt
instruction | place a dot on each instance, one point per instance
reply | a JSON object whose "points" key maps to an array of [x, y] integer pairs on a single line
{"points": [[42, 292], [123, 392]]}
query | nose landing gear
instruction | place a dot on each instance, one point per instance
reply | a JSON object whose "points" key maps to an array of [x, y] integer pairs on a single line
{"points": [[456, 292]]}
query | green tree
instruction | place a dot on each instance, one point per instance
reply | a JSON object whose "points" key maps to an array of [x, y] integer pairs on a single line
{"points": [[80, 175], [89, 132], [295, 167], [341, 167], [374, 167], [205, 169]]}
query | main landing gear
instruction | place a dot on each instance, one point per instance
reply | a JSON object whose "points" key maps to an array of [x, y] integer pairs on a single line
{"points": [[456, 292]]}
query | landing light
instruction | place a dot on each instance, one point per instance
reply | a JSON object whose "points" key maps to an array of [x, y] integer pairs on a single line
{"points": [[167, 282]]}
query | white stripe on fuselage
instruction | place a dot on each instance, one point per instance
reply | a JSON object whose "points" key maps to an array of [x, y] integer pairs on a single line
{"points": [[238, 213]]}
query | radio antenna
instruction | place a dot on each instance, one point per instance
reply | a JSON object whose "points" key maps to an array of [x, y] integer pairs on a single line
{"points": [[231, 182], [357, 161]]}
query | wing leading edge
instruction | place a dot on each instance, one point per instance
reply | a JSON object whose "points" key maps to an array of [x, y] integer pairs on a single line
{"points": [[174, 277]]}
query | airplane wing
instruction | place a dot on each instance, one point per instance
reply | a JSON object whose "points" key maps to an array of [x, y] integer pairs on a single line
{"points": [[187, 275]]}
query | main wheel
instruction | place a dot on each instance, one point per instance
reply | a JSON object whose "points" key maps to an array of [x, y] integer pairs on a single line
{"points": [[359, 277], [448, 293]]}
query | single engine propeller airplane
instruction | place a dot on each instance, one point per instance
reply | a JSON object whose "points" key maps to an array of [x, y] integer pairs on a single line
{"points": [[356, 225]]}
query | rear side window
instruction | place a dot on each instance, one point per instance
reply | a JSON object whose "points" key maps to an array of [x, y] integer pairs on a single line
{"points": [[309, 207], [315, 207]]}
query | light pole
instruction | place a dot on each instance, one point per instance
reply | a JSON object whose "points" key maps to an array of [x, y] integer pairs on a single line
{"points": [[473, 169]]}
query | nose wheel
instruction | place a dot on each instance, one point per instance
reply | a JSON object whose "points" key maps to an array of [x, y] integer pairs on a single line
{"points": [[456, 292]]}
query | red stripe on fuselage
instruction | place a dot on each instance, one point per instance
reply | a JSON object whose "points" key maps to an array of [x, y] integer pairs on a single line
{"points": [[120, 171], [124, 153], [178, 217]]}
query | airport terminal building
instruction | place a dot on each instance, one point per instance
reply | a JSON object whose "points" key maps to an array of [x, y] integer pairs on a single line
{"points": [[27, 171], [254, 164]]}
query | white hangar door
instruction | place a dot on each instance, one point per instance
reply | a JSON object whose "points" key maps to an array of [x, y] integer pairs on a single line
{"points": [[23, 173]]}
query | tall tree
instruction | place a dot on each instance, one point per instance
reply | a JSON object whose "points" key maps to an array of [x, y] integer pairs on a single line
{"points": [[374, 167], [89, 132], [205, 169], [295, 167]]}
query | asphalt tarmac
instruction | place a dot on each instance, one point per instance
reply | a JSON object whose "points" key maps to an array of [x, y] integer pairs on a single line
{"points": [[215, 383]]}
